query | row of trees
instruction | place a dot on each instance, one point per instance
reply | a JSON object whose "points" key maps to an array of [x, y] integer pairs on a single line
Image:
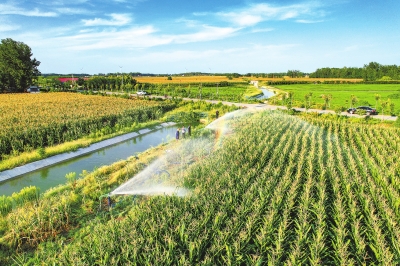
{"points": [[113, 83], [370, 72]]}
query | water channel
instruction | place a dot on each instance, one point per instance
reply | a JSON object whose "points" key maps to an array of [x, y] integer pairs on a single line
{"points": [[265, 94], [54, 175]]}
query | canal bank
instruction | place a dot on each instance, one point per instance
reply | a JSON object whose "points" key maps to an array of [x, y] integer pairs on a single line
{"points": [[43, 171]]}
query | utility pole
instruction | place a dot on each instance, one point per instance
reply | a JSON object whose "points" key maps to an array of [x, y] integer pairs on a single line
{"points": [[122, 82], [217, 90]]}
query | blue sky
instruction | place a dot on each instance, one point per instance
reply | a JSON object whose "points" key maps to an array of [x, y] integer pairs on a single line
{"points": [[154, 36]]}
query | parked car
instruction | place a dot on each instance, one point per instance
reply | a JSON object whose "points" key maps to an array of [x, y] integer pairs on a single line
{"points": [[33, 89], [141, 93], [368, 110]]}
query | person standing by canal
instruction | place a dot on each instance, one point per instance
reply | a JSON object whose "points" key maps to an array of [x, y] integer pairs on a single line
{"points": [[183, 132], [177, 134], [216, 114]]}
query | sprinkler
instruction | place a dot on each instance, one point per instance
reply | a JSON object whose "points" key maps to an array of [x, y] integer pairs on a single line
{"points": [[109, 201]]}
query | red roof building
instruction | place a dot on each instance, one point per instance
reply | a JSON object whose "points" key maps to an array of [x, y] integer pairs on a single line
{"points": [[69, 79]]}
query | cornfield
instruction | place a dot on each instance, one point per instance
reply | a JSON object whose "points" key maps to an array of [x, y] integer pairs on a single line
{"points": [[279, 190], [30, 121]]}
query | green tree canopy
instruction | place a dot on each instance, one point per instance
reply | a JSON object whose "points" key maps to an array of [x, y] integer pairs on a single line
{"points": [[17, 69]]}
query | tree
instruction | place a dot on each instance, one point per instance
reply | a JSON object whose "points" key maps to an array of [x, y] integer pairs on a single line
{"points": [[17, 69], [80, 81], [384, 105], [377, 98], [391, 106], [353, 100], [327, 98], [290, 97], [306, 98]]}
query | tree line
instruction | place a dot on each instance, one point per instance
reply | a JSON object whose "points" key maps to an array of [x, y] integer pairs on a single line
{"points": [[369, 72]]}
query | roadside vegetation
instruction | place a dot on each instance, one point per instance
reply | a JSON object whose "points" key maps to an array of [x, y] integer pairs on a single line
{"points": [[279, 188]]}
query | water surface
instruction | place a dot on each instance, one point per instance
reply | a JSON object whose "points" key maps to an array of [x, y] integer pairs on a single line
{"points": [[54, 175]]}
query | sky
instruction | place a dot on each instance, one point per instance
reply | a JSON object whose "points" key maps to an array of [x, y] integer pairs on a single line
{"points": [[171, 37]]}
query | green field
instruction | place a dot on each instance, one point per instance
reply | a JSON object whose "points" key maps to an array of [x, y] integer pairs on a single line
{"points": [[341, 94], [275, 190], [231, 92]]}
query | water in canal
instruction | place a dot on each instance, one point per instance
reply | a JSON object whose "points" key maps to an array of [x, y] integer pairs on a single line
{"points": [[54, 175]]}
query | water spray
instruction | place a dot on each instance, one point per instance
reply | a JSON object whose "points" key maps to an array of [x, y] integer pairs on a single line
{"points": [[165, 174]]}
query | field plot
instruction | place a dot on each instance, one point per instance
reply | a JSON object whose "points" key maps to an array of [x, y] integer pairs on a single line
{"points": [[279, 190], [342, 94], [30, 121], [229, 92]]}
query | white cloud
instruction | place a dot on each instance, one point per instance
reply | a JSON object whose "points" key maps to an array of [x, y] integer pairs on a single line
{"points": [[138, 37], [63, 2], [207, 34], [8, 27], [134, 38], [7, 9], [254, 14], [116, 20], [305, 21], [188, 22], [248, 20], [289, 14], [262, 30], [72, 11], [187, 55], [133, 2]]}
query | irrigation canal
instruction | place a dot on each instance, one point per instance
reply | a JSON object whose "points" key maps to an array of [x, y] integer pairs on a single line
{"points": [[54, 174]]}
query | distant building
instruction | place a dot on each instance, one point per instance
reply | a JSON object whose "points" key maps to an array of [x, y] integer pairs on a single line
{"points": [[68, 79], [255, 83]]}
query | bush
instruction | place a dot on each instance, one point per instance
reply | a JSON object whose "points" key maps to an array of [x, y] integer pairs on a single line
{"points": [[5, 205]]}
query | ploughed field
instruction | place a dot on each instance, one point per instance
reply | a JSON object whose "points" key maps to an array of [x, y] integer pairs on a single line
{"points": [[279, 190]]}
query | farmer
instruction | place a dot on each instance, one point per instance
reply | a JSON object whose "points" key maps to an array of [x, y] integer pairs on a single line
{"points": [[216, 114], [177, 134], [190, 130], [183, 132]]}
